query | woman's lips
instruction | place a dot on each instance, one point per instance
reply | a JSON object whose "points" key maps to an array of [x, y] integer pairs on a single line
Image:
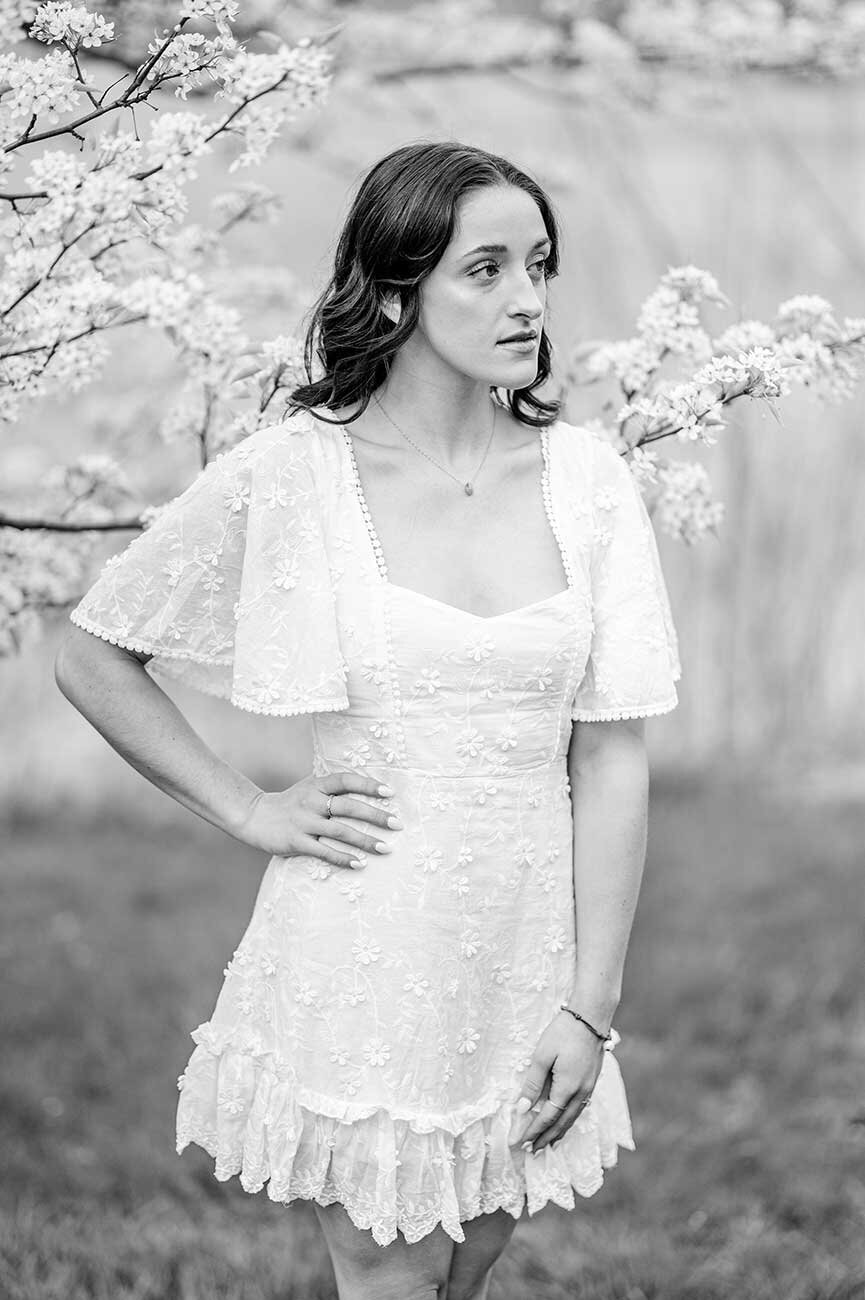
{"points": [[519, 345]]}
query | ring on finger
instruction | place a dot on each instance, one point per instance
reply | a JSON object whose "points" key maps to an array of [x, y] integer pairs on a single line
{"points": [[328, 805]]}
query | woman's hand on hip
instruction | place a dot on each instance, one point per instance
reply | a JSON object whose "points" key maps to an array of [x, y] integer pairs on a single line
{"points": [[563, 1072], [288, 822]]}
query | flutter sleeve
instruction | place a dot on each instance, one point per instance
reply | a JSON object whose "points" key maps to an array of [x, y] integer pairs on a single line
{"points": [[634, 657], [229, 590]]}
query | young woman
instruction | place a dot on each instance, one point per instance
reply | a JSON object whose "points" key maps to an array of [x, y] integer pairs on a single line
{"points": [[465, 593]]}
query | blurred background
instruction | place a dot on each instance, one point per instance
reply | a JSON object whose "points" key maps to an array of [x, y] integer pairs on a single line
{"points": [[742, 1016]]}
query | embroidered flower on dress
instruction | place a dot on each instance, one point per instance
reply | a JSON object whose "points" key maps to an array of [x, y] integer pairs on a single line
{"points": [[304, 993], [544, 880], [470, 743], [374, 671], [554, 939], [605, 499], [470, 943], [365, 952], [275, 496], [428, 859], [286, 572], [468, 1040], [376, 1052], [524, 852], [237, 496], [173, 570], [479, 649], [232, 1101]]}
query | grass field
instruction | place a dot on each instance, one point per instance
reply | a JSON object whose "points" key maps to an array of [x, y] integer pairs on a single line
{"points": [[743, 1046]]}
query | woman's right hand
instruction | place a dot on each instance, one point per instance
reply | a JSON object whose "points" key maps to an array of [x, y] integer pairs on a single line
{"points": [[287, 822]]}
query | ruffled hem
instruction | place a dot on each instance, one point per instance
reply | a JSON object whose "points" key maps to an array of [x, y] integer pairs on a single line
{"points": [[391, 1170]]}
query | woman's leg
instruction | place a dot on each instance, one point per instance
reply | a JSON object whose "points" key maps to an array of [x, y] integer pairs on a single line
{"points": [[400, 1271], [473, 1259]]}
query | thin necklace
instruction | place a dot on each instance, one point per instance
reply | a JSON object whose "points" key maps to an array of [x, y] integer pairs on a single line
{"points": [[468, 487]]}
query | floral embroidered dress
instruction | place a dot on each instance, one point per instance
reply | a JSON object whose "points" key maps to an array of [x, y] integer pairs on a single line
{"points": [[373, 1029]]}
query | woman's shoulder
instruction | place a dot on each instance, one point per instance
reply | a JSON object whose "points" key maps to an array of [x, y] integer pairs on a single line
{"points": [[579, 449], [294, 443]]}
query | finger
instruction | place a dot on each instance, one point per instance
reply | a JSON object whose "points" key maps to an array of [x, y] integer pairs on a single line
{"points": [[345, 806], [547, 1115], [353, 783], [560, 1126], [309, 847], [339, 830], [536, 1097]]}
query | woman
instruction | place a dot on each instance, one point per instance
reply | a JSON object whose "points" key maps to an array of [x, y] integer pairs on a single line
{"points": [[464, 591]]}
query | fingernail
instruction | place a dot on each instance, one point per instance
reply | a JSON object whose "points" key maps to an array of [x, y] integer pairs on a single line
{"points": [[385, 790], [381, 847], [394, 823], [527, 1146], [523, 1105], [357, 863]]}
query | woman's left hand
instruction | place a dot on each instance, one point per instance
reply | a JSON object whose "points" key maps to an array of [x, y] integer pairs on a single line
{"points": [[570, 1057]]}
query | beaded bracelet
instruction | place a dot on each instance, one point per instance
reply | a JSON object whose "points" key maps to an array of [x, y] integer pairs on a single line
{"points": [[605, 1038]]}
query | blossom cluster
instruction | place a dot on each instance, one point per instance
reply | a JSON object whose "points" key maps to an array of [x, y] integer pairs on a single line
{"points": [[804, 345], [97, 238]]}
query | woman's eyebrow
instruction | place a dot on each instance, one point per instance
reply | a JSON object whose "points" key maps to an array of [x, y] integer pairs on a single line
{"points": [[502, 248]]}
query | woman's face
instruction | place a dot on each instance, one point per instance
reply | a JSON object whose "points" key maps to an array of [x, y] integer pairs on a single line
{"points": [[489, 284]]}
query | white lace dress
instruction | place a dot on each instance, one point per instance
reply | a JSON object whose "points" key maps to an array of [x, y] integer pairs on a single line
{"points": [[370, 1038]]}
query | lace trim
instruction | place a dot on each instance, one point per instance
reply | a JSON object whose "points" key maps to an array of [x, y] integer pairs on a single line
{"points": [[381, 566], [638, 711], [546, 491], [253, 1124], [129, 643], [361, 498], [208, 688]]}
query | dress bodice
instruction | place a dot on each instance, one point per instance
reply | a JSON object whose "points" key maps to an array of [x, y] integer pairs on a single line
{"points": [[474, 696], [455, 693]]}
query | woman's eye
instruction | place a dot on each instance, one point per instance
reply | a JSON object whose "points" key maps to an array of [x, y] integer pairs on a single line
{"points": [[493, 266]]}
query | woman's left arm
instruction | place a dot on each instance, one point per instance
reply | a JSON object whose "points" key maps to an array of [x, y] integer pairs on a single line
{"points": [[609, 776]]}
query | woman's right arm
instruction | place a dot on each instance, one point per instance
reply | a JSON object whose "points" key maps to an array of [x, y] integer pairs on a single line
{"points": [[109, 686]]}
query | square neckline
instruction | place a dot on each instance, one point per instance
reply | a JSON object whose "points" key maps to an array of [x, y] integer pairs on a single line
{"points": [[381, 565]]}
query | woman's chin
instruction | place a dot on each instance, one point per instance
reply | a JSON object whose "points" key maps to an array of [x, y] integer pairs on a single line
{"points": [[517, 372]]}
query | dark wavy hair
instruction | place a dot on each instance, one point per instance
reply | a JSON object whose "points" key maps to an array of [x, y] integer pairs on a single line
{"points": [[397, 230]]}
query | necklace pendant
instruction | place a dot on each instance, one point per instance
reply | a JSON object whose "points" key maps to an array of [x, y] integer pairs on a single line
{"points": [[469, 489]]}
